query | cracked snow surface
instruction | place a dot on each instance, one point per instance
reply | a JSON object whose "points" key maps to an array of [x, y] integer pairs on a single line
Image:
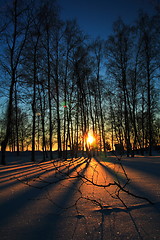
{"points": [[98, 199]]}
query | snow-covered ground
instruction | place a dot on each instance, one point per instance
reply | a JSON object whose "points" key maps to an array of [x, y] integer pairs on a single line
{"points": [[77, 199]]}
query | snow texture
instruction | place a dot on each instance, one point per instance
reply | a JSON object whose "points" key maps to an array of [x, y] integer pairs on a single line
{"points": [[78, 199]]}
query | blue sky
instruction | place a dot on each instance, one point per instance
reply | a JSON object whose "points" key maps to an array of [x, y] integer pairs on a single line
{"points": [[96, 17]]}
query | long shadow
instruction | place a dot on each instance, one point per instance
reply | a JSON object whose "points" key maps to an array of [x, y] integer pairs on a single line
{"points": [[138, 164], [108, 210], [29, 165], [23, 165], [31, 192], [19, 169], [22, 168], [35, 171], [49, 224], [137, 190], [21, 173], [28, 175], [146, 167]]}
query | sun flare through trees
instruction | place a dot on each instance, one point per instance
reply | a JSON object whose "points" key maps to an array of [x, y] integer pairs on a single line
{"points": [[79, 125], [90, 138], [56, 84]]}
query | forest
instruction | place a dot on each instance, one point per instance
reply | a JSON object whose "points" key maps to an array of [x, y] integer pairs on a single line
{"points": [[57, 84]]}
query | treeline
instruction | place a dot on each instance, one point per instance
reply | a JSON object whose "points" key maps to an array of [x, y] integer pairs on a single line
{"points": [[56, 84]]}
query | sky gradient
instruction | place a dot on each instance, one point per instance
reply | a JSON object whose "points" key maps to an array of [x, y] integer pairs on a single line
{"points": [[96, 17]]}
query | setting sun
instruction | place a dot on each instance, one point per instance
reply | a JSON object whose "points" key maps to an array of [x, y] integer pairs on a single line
{"points": [[90, 139]]}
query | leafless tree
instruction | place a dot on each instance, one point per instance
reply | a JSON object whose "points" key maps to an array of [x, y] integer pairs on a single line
{"points": [[15, 38]]}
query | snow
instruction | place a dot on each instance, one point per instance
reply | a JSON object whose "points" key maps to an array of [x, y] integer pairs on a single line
{"points": [[59, 200]]}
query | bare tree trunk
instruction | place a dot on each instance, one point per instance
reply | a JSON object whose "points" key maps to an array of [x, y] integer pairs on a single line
{"points": [[149, 106], [17, 128], [9, 122], [33, 118], [65, 108], [127, 131], [42, 107], [49, 95], [57, 100], [15, 48]]}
